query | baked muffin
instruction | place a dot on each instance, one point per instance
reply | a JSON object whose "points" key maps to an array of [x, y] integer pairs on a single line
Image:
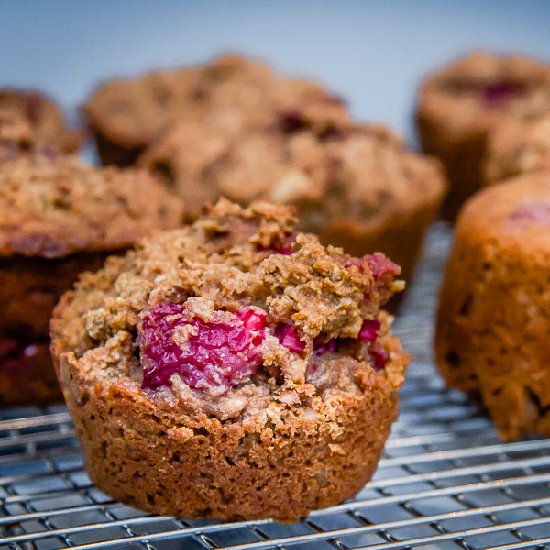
{"points": [[125, 115], [231, 369], [459, 105], [355, 186], [60, 218], [29, 119], [517, 146], [494, 309]]}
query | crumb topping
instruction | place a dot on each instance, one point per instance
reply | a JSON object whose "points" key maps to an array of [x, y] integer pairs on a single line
{"points": [[53, 205], [212, 313]]}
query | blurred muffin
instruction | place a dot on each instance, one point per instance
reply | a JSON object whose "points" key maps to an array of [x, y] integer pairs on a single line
{"points": [[29, 119], [517, 146], [494, 309], [355, 186], [126, 115], [460, 104], [59, 218], [212, 374]]}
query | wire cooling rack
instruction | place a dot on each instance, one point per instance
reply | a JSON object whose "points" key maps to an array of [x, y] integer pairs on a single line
{"points": [[445, 480]]}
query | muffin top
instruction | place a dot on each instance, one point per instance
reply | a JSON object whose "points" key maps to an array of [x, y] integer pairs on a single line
{"points": [[29, 119], [53, 205], [517, 146], [471, 93], [515, 214], [232, 91], [311, 158], [235, 309]]}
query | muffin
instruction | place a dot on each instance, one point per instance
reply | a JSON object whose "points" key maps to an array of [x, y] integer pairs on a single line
{"points": [[125, 115], [517, 146], [29, 119], [231, 369], [494, 308], [60, 218], [459, 105], [355, 186]]}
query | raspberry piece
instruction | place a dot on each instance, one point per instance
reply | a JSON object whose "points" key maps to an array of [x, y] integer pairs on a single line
{"points": [[497, 93], [289, 338], [253, 318], [15, 353], [218, 353], [378, 356], [291, 121], [369, 330], [533, 211], [325, 347], [379, 265], [283, 247]]}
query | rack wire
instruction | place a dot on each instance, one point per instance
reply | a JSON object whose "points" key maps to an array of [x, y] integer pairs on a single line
{"points": [[445, 480]]}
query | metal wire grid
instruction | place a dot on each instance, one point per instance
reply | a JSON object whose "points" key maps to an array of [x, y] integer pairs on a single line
{"points": [[445, 480]]}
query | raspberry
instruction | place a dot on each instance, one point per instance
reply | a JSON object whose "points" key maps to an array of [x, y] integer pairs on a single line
{"points": [[533, 211], [211, 354], [378, 356], [324, 347], [289, 338], [291, 121], [369, 330], [15, 353], [379, 265], [282, 247], [497, 93]]}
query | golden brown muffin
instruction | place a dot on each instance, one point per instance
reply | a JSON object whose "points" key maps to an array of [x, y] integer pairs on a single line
{"points": [[29, 119], [459, 105], [355, 186], [126, 115], [517, 146], [60, 218], [231, 369], [493, 321]]}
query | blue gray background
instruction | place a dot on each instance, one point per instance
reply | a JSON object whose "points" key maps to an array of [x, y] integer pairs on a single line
{"points": [[373, 53]]}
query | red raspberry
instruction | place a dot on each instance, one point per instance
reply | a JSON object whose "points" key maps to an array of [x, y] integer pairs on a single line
{"points": [[499, 92], [532, 211], [378, 356], [369, 330], [204, 354], [289, 338]]}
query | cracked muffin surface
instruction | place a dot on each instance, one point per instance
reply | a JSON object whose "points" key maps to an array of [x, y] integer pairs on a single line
{"points": [[251, 362]]}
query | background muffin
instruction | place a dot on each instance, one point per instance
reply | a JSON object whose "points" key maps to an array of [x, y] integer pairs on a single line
{"points": [[126, 115], [229, 370], [29, 119], [494, 309], [60, 218], [355, 186], [459, 105]]}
